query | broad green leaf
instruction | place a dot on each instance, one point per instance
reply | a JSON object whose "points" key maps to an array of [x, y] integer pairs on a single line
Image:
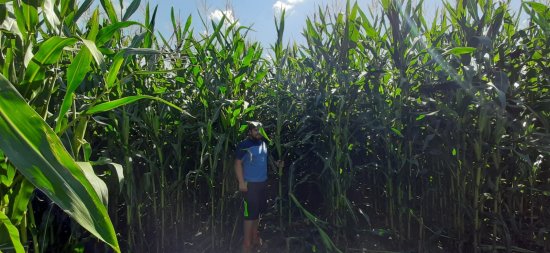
{"points": [[115, 167], [81, 10], [98, 56], [107, 33], [80, 66], [113, 70], [187, 24], [119, 60], [539, 8], [38, 154], [9, 235], [107, 106], [48, 11], [131, 9], [264, 134], [99, 185], [30, 13], [110, 10], [248, 58], [20, 18], [18, 207], [462, 50], [48, 53], [93, 24]]}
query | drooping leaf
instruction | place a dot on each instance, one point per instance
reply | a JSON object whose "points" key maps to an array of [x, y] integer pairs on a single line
{"points": [[106, 33], [9, 235], [98, 56], [38, 154], [99, 185], [115, 168], [107, 106], [51, 16], [48, 53]]}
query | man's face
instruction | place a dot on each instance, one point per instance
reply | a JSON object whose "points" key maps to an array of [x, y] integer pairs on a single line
{"points": [[254, 134]]}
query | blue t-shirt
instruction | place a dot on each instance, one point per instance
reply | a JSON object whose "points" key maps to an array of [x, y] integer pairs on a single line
{"points": [[254, 157]]}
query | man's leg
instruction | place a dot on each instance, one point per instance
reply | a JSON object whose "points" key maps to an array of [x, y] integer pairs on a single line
{"points": [[248, 232], [256, 240], [261, 200]]}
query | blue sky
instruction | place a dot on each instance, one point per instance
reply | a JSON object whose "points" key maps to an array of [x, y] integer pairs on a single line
{"points": [[259, 14]]}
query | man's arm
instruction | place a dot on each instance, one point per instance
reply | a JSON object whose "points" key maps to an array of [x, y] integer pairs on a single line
{"points": [[239, 174]]}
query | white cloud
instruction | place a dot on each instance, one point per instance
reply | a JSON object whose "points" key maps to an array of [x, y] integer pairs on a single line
{"points": [[279, 6], [217, 16], [294, 2], [287, 5]]}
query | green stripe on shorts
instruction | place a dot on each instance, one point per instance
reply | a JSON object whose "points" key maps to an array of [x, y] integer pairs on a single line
{"points": [[245, 209]]}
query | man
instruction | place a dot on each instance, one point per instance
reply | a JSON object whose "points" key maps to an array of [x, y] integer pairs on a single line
{"points": [[251, 171]]}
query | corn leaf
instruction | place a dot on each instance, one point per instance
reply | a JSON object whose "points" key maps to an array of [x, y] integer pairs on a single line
{"points": [[48, 53], [19, 205], [75, 75], [107, 106], [110, 10], [462, 50], [106, 33], [99, 185], [131, 9], [9, 235], [82, 9], [48, 10], [38, 154]]}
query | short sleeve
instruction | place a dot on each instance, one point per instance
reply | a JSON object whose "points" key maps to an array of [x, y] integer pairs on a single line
{"points": [[240, 152]]}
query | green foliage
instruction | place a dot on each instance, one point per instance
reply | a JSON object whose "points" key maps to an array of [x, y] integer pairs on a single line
{"points": [[431, 131], [39, 155]]}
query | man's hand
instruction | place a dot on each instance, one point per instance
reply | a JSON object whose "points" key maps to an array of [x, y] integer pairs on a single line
{"points": [[243, 187]]}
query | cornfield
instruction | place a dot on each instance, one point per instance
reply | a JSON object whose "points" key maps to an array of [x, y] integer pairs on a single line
{"points": [[398, 133]]}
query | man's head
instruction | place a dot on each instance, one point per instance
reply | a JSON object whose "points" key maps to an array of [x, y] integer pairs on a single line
{"points": [[254, 130]]}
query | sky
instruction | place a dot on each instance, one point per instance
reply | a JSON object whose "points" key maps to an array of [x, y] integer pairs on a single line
{"points": [[259, 14]]}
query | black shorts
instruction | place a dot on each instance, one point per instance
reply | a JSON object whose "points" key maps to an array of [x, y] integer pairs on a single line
{"points": [[255, 200]]}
